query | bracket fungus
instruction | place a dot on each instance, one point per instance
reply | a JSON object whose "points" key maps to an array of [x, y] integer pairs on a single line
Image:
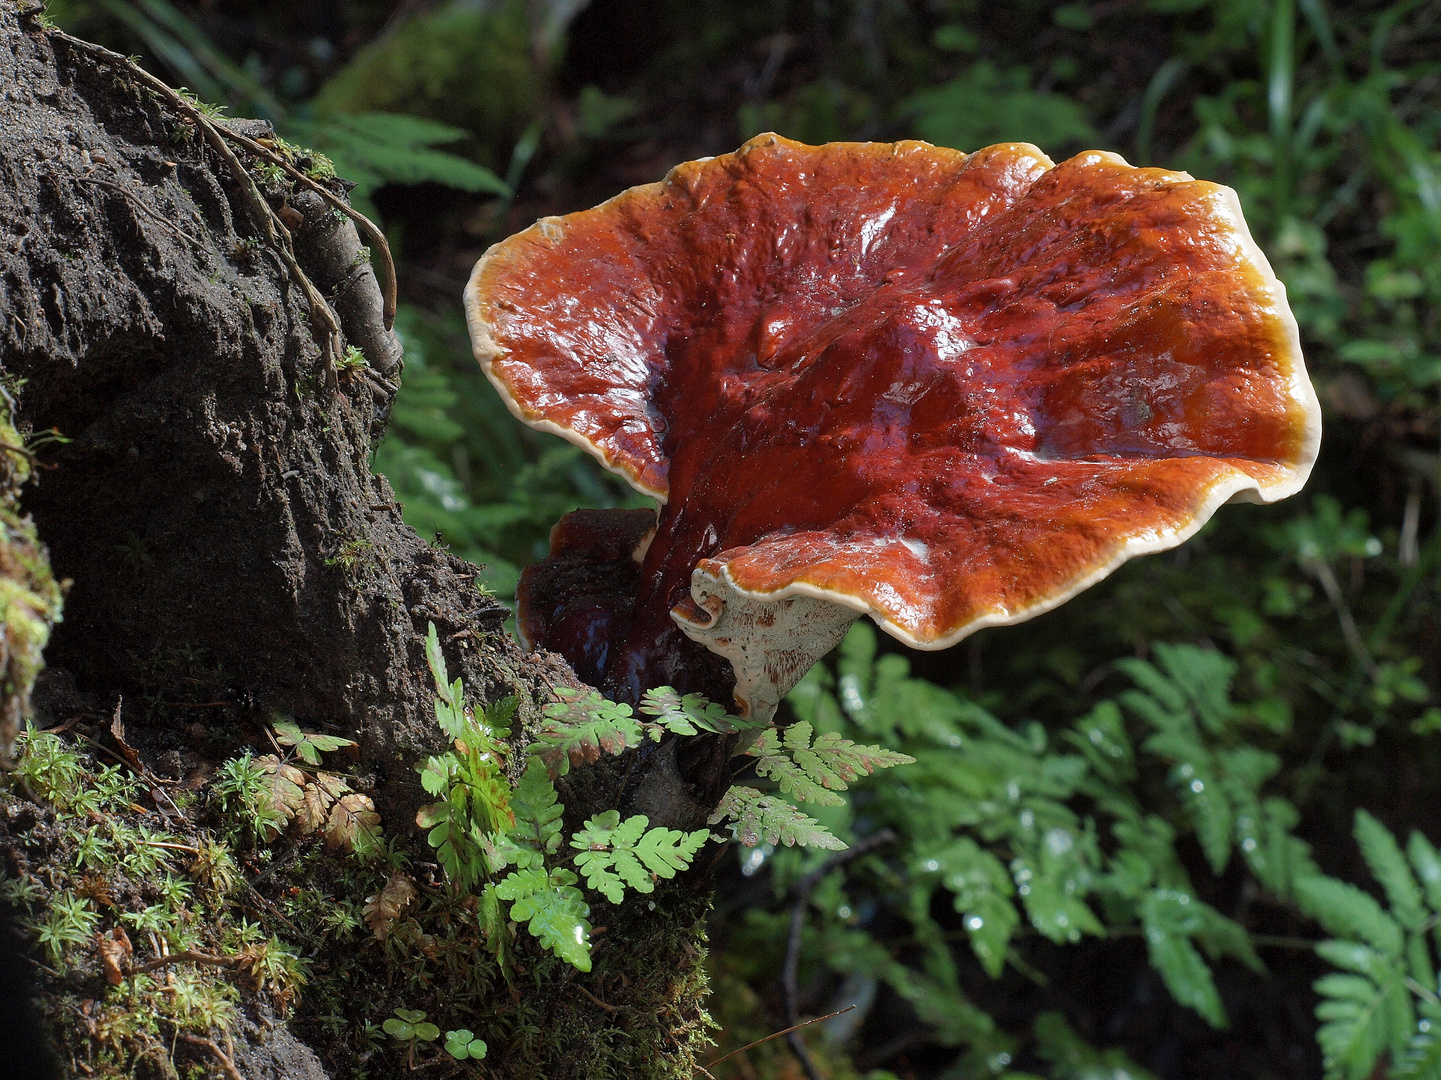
{"points": [[945, 390]]}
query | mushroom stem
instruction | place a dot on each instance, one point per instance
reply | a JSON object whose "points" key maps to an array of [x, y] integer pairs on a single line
{"points": [[770, 644]]}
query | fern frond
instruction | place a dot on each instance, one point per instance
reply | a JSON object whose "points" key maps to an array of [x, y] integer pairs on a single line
{"points": [[553, 909], [1348, 912], [579, 726], [773, 761], [616, 854], [1354, 1023], [1388, 866], [758, 817], [1170, 919], [1427, 864], [689, 715], [813, 771], [983, 892], [537, 820], [1422, 1059]]}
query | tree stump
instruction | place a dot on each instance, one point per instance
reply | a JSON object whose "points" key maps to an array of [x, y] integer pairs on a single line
{"points": [[230, 555]]}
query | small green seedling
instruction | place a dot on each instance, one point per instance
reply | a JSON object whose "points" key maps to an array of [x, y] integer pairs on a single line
{"points": [[408, 1026], [463, 1044], [307, 744]]}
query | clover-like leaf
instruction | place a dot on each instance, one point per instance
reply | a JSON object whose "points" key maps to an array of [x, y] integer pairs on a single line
{"points": [[462, 1044], [308, 744]]}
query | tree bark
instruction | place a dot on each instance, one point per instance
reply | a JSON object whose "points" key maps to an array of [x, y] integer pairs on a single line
{"points": [[230, 553]]}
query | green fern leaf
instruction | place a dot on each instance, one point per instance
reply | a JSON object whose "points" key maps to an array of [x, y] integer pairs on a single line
{"points": [[1427, 864], [1422, 1058], [1346, 911], [833, 756], [616, 854], [1204, 678], [1275, 856], [1170, 918], [813, 772], [689, 715], [666, 852], [579, 726], [436, 661], [1052, 902], [391, 148], [553, 909], [773, 761], [1101, 737], [1186, 975], [983, 892], [1388, 866], [607, 856], [493, 925], [1353, 1032], [436, 774], [537, 820], [1157, 695], [758, 817]]}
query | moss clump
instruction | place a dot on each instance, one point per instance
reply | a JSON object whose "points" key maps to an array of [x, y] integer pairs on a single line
{"points": [[266, 919], [29, 594], [109, 891]]}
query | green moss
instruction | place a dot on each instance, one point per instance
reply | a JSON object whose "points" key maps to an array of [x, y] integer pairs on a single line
{"points": [[30, 597], [84, 862], [469, 68]]}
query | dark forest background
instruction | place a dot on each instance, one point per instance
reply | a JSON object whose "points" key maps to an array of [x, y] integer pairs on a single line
{"points": [[1134, 818]]}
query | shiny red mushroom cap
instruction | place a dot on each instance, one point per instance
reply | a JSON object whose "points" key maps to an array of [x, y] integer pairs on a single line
{"points": [[946, 390]]}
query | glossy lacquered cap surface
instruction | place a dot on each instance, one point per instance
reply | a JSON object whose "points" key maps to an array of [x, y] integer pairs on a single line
{"points": [[948, 390]]}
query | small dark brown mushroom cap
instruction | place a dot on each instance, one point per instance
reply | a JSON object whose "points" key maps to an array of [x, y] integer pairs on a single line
{"points": [[946, 390]]}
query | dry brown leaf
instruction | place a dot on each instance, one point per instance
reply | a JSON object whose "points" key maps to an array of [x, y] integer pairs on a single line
{"points": [[382, 909], [334, 786], [95, 887], [350, 815], [316, 808], [283, 788], [115, 952], [117, 731]]}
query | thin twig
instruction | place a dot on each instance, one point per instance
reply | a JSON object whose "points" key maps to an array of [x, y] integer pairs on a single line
{"points": [[801, 894], [135, 202], [773, 1035], [187, 957], [368, 227], [597, 1001], [226, 1062]]}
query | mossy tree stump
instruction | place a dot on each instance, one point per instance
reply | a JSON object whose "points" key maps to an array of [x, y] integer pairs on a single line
{"points": [[231, 556]]}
